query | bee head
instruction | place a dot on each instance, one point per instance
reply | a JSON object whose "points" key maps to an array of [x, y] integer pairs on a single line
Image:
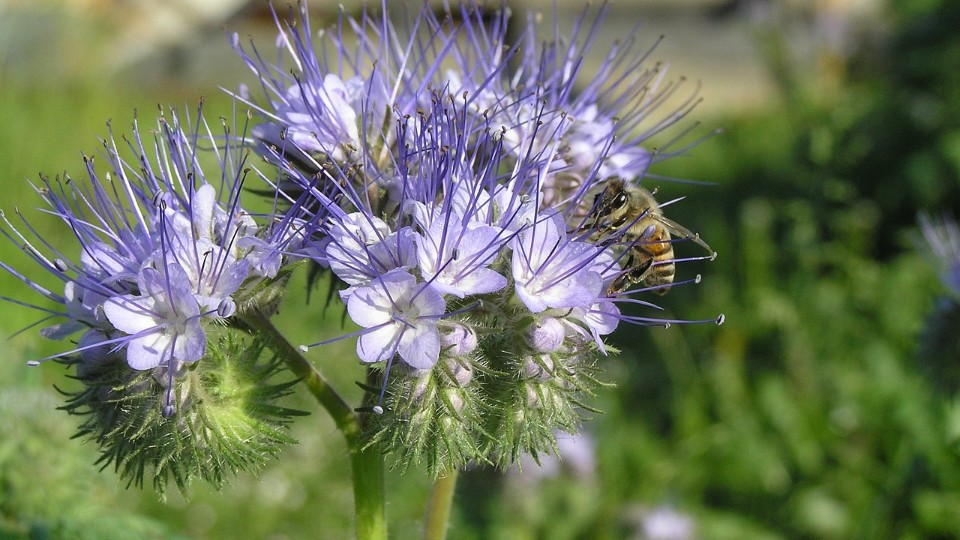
{"points": [[613, 198]]}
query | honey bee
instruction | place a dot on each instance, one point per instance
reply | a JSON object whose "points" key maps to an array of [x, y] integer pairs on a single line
{"points": [[632, 211]]}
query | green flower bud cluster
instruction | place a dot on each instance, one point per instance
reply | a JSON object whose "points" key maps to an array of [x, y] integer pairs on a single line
{"points": [[492, 397], [227, 418]]}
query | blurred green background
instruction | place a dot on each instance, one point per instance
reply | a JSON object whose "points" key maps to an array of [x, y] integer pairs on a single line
{"points": [[825, 407]]}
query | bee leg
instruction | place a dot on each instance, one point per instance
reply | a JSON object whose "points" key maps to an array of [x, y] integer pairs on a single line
{"points": [[637, 264]]}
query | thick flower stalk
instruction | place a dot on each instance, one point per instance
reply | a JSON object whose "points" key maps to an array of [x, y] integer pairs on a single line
{"points": [[166, 258], [457, 197]]}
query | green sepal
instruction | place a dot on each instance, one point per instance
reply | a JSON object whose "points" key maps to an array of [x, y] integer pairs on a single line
{"points": [[531, 408], [265, 294], [227, 419], [430, 419]]}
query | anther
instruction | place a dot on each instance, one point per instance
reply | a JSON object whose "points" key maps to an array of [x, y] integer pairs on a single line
{"points": [[226, 308]]}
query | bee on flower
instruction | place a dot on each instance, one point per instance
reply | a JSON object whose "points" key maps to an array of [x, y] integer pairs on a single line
{"points": [[454, 176]]}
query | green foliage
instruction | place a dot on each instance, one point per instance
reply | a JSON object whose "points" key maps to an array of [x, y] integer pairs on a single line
{"points": [[49, 490]]}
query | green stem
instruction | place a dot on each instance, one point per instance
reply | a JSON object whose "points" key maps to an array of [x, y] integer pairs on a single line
{"points": [[342, 414], [438, 507], [367, 464], [368, 492]]}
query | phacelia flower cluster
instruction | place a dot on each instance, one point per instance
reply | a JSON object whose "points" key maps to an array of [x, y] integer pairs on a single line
{"points": [[477, 200], [166, 258], [453, 179]]}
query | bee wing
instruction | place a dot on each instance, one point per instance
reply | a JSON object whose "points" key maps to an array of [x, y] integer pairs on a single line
{"points": [[681, 231]]}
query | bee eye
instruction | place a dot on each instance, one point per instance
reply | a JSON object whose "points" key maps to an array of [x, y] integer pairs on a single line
{"points": [[620, 200]]}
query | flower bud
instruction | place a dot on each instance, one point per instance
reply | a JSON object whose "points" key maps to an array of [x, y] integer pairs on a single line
{"points": [[538, 367], [148, 420], [459, 340], [546, 335], [462, 373]]}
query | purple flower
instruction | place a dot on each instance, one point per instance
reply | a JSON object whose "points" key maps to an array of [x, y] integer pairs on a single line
{"points": [[360, 248], [314, 103], [552, 271], [163, 321], [322, 118], [448, 189], [401, 316], [160, 250], [196, 243], [447, 177], [943, 237], [454, 258]]}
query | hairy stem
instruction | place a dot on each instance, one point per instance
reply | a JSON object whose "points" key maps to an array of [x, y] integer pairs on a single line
{"points": [[368, 492], [342, 414], [367, 464]]}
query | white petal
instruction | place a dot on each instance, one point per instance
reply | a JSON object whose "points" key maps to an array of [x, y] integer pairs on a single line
{"points": [[429, 303], [378, 345], [532, 300], [131, 314], [231, 278], [192, 344], [420, 348], [148, 352], [478, 281], [369, 307], [100, 259], [582, 289], [202, 209], [603, 318]]}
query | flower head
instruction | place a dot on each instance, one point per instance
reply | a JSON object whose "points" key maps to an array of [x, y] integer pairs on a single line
{"points": [[552, 271], [164, 248], [450, 177], [163, 320]]}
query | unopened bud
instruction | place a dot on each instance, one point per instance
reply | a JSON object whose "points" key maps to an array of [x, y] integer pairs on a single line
{"points": [[459, 340], [546, 335]]}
